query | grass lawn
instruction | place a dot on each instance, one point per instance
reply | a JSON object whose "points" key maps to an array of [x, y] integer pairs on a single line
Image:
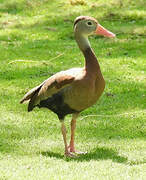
{"points": [[36, 41]]}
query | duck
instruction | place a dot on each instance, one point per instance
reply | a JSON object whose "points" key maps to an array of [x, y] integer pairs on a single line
{"points": [[74, 90]]}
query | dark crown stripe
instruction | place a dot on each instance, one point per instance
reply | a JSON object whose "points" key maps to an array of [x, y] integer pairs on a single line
{"points": [[82, 18], [79, 19]]}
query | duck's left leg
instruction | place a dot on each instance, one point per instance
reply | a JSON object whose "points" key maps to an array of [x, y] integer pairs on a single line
{"points": [[71, 146], [63, 130]]}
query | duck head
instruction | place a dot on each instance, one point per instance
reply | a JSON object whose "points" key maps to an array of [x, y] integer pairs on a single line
{"points": [[85, 25]]}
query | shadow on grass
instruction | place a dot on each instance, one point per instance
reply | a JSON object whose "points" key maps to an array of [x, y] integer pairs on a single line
{"points": [[96, 154], [52, 154]]}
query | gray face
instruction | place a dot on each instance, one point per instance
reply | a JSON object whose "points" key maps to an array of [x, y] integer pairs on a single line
{"points": [[86, 27]]}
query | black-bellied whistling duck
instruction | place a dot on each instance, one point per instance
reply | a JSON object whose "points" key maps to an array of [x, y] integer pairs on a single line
{"points": [[73, 90]]}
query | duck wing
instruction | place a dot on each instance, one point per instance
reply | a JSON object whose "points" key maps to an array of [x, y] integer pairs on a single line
{"points": [[46, 89]]}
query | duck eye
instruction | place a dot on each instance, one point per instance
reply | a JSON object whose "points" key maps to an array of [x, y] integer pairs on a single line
{"points": [[89, 23]]}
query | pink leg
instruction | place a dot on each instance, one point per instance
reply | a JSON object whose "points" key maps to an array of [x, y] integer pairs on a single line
{"points": [[73, 127], [63, 130]]}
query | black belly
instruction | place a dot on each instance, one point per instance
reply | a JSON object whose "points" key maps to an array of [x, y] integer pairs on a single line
{"points": [[57, 105]]}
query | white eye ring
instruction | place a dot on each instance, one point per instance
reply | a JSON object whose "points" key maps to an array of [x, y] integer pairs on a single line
{"points": [[89, 23]]}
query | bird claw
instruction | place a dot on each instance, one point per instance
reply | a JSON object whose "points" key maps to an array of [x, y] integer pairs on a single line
{"points": [[70, 155], [76, 152], [80, 152]]}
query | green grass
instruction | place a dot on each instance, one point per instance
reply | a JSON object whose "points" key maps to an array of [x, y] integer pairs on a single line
{"points": [[36, 41]]}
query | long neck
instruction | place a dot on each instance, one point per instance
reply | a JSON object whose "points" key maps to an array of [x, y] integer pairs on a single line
{"points": [[91, 61]]}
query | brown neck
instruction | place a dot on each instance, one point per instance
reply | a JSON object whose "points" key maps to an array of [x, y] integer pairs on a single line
{"points": [[91, 61]]}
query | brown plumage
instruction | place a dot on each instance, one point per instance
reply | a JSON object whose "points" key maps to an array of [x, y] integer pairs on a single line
{"points": [[73, 90]]}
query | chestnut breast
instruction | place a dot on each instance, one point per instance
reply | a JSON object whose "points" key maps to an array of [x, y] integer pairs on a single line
{"points": [[84, 91]]}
